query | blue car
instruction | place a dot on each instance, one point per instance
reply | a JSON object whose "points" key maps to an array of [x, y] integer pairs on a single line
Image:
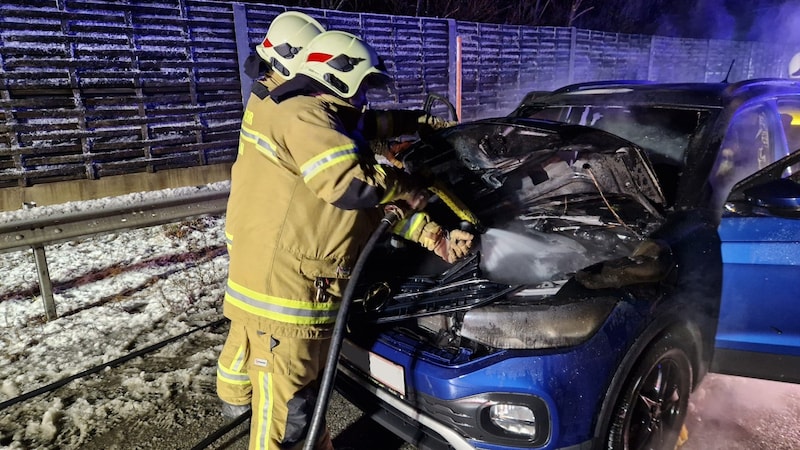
{"points": [[632, 237]]}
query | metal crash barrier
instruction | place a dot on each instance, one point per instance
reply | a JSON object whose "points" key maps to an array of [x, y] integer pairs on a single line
{"points": [[53, 229]]}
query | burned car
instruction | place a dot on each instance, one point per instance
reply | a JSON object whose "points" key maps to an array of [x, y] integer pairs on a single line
{"points": [[589, 307]]}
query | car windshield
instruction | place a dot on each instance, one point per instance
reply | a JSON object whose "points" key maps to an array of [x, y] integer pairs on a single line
{"points": [[663, 132]]}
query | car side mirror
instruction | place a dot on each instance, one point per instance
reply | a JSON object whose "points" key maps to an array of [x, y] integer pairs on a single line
{"points": [[780, 197]]}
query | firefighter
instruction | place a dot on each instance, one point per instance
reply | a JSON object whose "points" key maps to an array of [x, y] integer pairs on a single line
{"points": [[277, 58], [306, 193]]}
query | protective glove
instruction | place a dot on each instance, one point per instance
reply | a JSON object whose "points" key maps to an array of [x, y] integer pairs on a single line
{"points": [[417, 199], [389, 150], [428, 123], [450, 246], [403, 186]]}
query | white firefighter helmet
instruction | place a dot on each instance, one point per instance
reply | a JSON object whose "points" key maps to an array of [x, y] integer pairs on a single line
{"points": [[794, 66], [283, 46], [342, 62]]}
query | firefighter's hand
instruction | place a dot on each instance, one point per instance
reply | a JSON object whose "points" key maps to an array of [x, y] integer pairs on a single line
{"points": [[390, 150], [454, 245], [429, 123], [416, 199]]}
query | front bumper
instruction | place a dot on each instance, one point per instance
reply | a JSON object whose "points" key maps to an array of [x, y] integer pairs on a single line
{"points": [[396, 416], [436, 430]]}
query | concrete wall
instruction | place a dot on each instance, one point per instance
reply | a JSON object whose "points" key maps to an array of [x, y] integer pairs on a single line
{"points": [[94, 89]]}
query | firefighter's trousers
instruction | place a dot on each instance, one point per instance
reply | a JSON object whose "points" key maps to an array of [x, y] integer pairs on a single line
{"points": [[279, 377]]}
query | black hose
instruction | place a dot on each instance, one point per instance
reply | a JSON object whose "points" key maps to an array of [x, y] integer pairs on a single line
{"points": [[219, 432], [329, 374], [95, 369]]}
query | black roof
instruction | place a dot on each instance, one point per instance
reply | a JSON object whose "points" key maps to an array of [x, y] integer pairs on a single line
{"points": [[702, 95]]}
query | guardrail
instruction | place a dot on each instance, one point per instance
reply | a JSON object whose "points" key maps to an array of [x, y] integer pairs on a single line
{"points": [[36, 233]]}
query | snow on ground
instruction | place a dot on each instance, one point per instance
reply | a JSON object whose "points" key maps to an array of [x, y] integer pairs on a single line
{"points": [[114, 294], [120, 292]]}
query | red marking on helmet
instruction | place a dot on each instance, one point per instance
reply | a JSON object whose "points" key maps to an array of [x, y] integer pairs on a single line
{"points": [[266, 43], [318, 57]]}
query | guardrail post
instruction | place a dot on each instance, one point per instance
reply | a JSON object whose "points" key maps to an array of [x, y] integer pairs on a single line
{"points": [[45, 286]]}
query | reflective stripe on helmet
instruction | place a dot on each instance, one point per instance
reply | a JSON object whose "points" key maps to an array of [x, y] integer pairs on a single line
{"points": [[328, 158], [296, 312]]}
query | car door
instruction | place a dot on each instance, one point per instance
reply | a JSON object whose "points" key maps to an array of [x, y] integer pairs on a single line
{"points": [[759, 324]]}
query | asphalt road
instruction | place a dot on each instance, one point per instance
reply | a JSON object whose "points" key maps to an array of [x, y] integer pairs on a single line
{"points": [[726, 413]]}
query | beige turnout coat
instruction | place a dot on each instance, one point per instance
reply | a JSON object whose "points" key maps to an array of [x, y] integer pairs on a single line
{"points": [[305, 196]]}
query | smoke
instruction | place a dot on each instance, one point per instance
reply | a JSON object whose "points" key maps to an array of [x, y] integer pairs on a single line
{"points": [[778, 24], [529, 257], [727, 412], [709, 19], [773, 21]]}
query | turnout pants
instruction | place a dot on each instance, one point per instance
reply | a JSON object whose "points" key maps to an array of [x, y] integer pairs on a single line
{"points": [[279, 378]]}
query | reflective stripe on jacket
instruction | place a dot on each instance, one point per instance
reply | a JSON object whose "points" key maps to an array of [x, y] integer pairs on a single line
{"points": [[259, 91], [297, 159]]}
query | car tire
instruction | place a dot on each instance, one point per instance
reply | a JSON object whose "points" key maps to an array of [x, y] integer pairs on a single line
{"points": [[653, 402]]}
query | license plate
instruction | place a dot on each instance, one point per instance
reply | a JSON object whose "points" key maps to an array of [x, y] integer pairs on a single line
{"points": [[380, 369]]}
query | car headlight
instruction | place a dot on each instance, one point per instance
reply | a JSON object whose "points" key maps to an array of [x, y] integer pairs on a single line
{"points": [[516, 419], [537, 324]]}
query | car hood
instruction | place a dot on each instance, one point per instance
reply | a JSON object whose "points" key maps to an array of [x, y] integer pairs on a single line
{"points": [[506, 167], [549, 198]]}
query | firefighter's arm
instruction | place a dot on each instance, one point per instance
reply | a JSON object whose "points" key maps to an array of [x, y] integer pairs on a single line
{"points": [[328, 162], [450, 246], [384, 124]]}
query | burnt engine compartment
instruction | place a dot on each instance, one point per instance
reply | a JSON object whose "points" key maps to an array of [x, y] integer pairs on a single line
{"points": [[551, 199]]}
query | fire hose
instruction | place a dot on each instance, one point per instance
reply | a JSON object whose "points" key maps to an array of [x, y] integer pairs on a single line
{"points": [[393, 215]]}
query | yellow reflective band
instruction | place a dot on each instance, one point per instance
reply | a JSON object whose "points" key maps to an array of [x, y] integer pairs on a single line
{"points": [[231, 377], [391, 191], [326, 159], [389, 196], [228, 239], [239, 359], [262, 143], [408, 227], [263, 415], [296, 312]]}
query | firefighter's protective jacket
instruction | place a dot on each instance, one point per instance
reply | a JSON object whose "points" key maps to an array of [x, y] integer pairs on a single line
{"points": [[260, 90], [304, 197]]}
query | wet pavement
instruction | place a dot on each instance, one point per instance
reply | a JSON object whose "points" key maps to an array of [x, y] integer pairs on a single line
{"points": [[725, 413], [735, 413]]}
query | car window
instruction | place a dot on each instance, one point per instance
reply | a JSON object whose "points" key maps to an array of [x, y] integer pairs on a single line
{"points": [[663, 132], [790, 125], [747, 147]]}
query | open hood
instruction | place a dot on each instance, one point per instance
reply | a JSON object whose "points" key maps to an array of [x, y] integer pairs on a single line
{"points": [[551, 199]]}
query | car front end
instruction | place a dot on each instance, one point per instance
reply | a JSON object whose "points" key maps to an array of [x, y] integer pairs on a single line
{"points": [[507, 349]]}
